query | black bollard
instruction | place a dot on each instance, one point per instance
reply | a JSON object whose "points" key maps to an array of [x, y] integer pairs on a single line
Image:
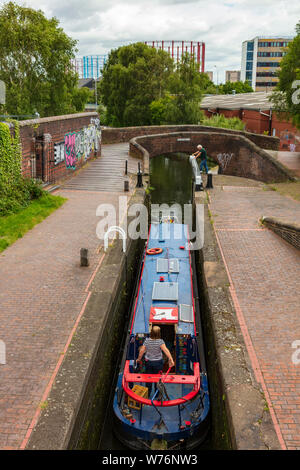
{"points": [[139, 183], [126, 185], [209, 181], [126, 167], [84, 261]]}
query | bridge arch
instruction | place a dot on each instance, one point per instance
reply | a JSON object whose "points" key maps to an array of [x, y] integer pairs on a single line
{"points": [[235, 154]]}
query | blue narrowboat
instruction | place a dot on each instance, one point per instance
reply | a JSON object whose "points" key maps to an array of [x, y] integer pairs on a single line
{"points": [[177, 410]]}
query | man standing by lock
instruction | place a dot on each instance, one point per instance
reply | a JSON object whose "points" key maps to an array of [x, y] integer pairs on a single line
{"points": [[201, 153]]}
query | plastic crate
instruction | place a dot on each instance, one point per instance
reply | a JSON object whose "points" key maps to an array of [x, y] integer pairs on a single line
{"points": [[142, 392]]}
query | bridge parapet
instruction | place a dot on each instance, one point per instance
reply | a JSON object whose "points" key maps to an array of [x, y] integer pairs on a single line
{"points": [[235, 154]]}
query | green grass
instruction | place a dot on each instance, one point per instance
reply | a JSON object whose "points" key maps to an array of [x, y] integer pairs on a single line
{"points": [[290, 189], [14, 226]]}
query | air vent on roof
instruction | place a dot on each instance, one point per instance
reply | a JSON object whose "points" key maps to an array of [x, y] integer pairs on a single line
{"points": [[165, 291], [186, 313], [164, 265]]}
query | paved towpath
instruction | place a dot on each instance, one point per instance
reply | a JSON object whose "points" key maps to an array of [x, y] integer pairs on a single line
{"points": [[289, 159], [43, 291], [264, 271]]}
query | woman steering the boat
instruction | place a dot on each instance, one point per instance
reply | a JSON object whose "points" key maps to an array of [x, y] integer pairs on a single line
{"points": [[154, 347]]}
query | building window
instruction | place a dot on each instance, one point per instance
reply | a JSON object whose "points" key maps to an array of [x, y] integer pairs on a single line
{"points": [[249, 55], [268, 64], [250, 46], [249, 66], [266, 84]]}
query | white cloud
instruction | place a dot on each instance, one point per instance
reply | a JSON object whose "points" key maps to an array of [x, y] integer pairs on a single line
{"points": [[223, 25]]}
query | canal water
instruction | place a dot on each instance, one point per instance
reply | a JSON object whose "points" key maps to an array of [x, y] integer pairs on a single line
{"points": [[170, 183]]}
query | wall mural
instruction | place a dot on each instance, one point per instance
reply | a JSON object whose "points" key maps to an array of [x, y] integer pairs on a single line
{"points": [[78, 145]]}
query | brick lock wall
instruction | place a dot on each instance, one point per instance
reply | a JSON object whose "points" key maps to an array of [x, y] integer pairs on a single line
{"points": [[38, 138]]}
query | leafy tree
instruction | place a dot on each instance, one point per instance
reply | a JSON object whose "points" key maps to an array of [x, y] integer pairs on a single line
{"points": [[81, 96], [239, 87], [286, 97], [133, 77], [181, 105], [186, 88], [35, 57]]}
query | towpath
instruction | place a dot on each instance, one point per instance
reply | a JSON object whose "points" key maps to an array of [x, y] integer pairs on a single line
{"points": [[264, 272], [43, 291]]}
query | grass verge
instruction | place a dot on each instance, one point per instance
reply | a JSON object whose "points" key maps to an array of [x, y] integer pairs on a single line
{"points": [[14, 226], [291, 189]]}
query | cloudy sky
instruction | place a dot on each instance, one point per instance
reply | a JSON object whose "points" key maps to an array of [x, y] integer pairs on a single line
{"points": [[100, 25]]}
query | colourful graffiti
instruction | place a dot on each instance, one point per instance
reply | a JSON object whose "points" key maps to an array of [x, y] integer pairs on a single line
{"points": [[289, 141], [78, 145]]}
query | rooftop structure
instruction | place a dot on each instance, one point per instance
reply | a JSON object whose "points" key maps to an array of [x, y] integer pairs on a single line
{"points": [[256, 100], [177, 49]]}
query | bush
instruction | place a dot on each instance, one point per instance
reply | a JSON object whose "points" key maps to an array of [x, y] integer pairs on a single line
{"points": [[219, 120], [24, 191]]}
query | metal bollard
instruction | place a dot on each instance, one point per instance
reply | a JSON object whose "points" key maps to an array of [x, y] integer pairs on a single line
{"points": [[139, 183], [126, 167], [209, 181], [126, 185], [84, 261]]}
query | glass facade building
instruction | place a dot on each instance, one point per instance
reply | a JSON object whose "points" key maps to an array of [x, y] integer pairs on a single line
{"points": [[260, 59]]}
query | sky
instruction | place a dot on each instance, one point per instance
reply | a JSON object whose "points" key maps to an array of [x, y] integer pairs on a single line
{"points": [[102, 25]]}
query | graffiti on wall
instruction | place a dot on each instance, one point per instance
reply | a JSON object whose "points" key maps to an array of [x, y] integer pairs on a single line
{"points": [[224, 159], [78, 145], [289, 141]]}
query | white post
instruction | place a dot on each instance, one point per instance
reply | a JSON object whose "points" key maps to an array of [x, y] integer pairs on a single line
{"points": [[2, 352], [121, 231]]}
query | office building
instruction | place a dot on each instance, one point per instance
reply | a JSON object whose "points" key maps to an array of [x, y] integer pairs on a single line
{"points": [[261, 58], [232, 76], [89, 66], [210, 75]]}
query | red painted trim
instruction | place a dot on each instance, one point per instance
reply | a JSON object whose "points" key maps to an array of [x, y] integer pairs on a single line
{"points": [[155, 378], [140, 282]]}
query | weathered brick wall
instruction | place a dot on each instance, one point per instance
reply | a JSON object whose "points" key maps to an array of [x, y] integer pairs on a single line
{"points": [[236, 155], [112, 135], [288, 231], [54, 147]]}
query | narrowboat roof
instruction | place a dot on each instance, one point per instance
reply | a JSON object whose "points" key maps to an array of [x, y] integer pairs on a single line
{"points": [[165, 290]]}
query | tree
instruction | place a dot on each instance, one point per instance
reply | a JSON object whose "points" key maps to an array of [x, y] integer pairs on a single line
{"points": [[181, 104], [35, 63], [286, 97], [133, 77], [238, 87]]}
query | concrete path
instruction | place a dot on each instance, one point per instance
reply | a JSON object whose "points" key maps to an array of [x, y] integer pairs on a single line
{"points": [[289, 159], [43, 291], [264, 272]]}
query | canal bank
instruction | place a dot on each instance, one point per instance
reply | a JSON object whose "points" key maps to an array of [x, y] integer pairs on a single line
{"points": [[73, 414]]}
